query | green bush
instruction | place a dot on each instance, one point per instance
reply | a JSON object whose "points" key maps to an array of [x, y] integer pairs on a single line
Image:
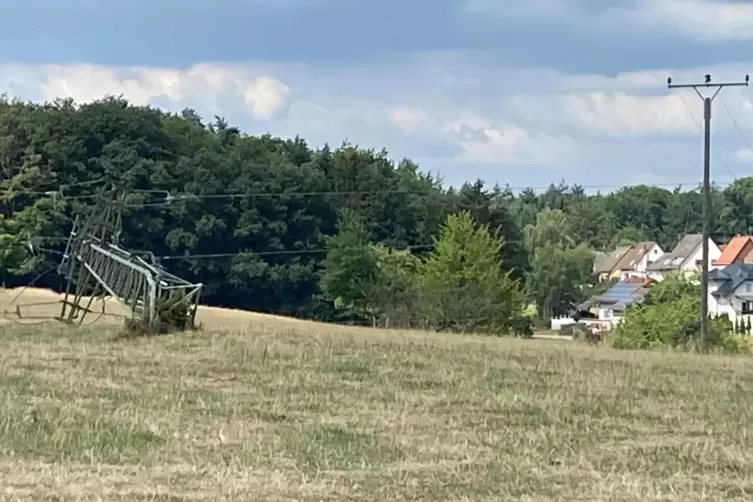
{"points": [[174, 316], [731, 343], [522, 326], [668, 318], [723, 324], [542, 324]]}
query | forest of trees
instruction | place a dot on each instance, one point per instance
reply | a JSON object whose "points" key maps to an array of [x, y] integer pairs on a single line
{"points": [[340, 234]]}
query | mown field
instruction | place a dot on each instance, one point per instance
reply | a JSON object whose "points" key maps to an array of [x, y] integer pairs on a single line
{"points": [[267, 409]]}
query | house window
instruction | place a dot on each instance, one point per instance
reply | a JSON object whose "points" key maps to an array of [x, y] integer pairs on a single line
{"points": [[747, 308], [749, 288], [698, 263]]}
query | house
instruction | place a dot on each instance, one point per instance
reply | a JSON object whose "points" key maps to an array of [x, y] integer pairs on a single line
{"points": [[686, 257], [636, 261], [604, 265], [609, 307], [731, 291], [738, 250]]}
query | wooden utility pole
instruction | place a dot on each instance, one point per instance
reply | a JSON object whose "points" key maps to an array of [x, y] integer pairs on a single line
{"points": [[706, 189]]}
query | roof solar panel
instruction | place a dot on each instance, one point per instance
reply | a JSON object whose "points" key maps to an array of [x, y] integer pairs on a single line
{"points": [[623, 293]]}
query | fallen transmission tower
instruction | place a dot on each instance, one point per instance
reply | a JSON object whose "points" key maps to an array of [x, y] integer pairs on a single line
{"points": [[95, 265]]}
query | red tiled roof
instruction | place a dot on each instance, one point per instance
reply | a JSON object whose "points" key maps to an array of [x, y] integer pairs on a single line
{"points": [[732, 250]]}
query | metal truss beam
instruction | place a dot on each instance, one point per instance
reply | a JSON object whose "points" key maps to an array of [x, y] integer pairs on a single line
{"points": [[94, 263]]}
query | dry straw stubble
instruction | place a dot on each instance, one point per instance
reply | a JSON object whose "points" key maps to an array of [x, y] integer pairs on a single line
{"points": [[283, 410]]}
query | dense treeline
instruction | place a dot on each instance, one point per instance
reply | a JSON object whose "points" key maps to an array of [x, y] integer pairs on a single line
{"points": [[295, 198]]}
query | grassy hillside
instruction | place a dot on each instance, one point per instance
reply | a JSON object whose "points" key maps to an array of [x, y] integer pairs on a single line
{"points": [[272, 409]]}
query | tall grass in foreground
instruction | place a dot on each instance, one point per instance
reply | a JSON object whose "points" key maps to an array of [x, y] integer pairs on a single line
{"points": [[317, 414]]}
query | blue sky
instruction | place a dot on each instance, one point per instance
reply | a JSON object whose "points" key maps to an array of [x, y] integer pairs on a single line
{"points": [[523, 93]]}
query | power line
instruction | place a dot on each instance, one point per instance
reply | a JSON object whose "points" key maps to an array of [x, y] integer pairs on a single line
{"points": [[281, 252], [737, 125], [284, 252], [706, 188], [30, 244], [187, 197], [700, 128]]}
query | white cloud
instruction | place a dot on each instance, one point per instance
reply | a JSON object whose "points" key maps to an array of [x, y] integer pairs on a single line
{"points": [[511, 144], [483, 139], [619, 113], [409, 119], [639, 103], [265, 96], [462, 116], [653, 81], [203, 85], [208, 86]]}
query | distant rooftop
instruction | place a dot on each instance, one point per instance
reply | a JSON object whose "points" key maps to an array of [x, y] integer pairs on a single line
{"points": [[631, 259], [731, 277], [733, 249], [608, 261], [619, 296], [681, 252]]}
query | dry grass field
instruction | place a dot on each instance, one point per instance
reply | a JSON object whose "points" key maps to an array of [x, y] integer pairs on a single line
{"points": [[263, 408]]}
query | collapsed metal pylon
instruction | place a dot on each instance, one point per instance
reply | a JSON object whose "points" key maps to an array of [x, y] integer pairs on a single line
{"points": [[94, 263]]}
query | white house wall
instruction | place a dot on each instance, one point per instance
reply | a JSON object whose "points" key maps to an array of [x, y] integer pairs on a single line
{"points": [[653, 254], [714, 304], [745, 291], [689, 267], [731, 306], [714, 254], [641, 268], [656, 275]]}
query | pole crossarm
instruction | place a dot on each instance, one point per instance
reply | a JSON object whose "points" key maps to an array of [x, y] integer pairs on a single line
{"points": [[707, 84]]}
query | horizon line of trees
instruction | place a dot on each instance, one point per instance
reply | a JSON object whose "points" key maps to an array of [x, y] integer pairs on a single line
{"points": [[402, 219]]}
